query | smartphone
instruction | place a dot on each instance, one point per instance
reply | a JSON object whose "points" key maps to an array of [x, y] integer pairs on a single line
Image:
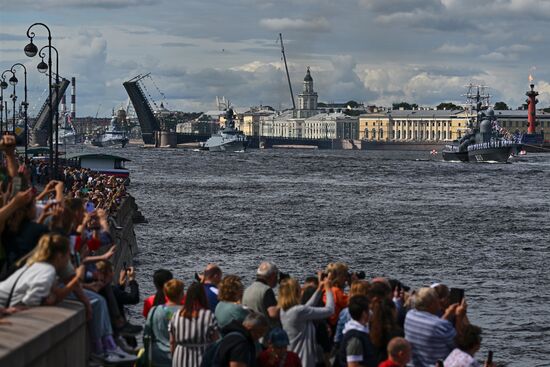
{"points": [[489, 357], [124, 266], [90, 207], [197, 277], [17, 182], [439, 363], [456, 295]]}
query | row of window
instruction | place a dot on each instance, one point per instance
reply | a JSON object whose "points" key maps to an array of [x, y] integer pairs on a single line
{"points": [[450, 124], [412, 134]]}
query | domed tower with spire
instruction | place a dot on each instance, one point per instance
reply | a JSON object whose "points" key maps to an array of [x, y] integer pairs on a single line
{"points": [[307, 100]]}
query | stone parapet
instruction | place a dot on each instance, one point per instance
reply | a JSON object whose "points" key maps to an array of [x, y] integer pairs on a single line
{"points": [[45, 336]]}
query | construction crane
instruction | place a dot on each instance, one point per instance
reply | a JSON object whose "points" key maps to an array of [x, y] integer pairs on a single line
{"points": [[287, 74]]}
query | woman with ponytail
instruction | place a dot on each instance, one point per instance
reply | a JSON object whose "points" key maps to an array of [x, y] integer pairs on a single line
{"points": [[34, 283], [383, 325]]}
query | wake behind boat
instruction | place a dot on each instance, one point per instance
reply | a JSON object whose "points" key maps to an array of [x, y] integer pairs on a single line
{"points": [[229, 139]]}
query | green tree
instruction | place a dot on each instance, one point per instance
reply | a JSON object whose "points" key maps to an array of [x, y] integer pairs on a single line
{"points": [[351, 112], [501, 106], [448, 106], [352, 104], [404, 105]]}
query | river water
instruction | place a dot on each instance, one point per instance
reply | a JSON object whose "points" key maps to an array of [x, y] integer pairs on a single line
{"points": [[405, 215]]}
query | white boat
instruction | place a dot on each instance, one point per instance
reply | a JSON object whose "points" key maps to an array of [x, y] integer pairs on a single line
{"points": [[107, 164]]}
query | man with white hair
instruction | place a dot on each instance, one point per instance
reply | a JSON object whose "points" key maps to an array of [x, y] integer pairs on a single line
{"points": [[431, 337], [259, 296]]}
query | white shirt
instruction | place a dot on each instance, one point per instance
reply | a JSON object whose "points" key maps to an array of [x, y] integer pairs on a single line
{"points": [[32, 287], [458, 358]]}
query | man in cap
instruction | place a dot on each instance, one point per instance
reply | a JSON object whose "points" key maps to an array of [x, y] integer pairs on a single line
{"points": [[259, 296]]}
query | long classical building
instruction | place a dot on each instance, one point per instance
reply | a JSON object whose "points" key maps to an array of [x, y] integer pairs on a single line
{"points": [[436, 125]]}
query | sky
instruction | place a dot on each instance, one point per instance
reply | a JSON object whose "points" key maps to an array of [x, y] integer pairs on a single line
{"points": [[373, 51]]}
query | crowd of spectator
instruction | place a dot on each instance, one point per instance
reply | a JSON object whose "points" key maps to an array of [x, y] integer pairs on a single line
{"points": [[56, 245], [379, 323]]}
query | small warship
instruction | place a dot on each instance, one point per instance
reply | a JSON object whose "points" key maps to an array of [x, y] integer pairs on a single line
{"points": [[485, 140], [114, 135], [229, 139]]}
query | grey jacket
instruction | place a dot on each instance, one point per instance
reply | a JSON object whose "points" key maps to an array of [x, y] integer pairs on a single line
{"points": [[298, 323]]}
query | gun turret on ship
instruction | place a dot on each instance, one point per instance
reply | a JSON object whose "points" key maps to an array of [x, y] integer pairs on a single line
{"points": [[484, 141]]}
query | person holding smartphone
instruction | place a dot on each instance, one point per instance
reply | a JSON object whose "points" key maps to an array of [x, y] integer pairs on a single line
{"points": [[433, 337], [467, 345]]}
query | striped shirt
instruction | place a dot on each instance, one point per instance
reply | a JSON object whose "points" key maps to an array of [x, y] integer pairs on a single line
{"points": [[431, 338], [191, 336]]}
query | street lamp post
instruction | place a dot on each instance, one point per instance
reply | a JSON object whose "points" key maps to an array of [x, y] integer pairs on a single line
{"points": [[56, 106], [25, 106], [31, 50], [13, 81], [3, 85]]}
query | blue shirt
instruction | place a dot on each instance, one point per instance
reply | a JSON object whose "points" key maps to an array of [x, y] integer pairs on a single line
{"points": [[431, 338], [212, 295]]}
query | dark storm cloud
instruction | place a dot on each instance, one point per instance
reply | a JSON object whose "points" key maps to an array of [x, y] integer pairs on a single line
{"points": [[97, 4]]}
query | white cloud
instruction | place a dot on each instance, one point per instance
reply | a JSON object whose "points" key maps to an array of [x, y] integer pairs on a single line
{"points": [[543, 88], [497, 56], [457, 49], [288, 24]]}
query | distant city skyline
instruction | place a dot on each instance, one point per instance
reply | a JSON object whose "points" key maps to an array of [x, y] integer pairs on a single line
{"points": [[376, 52]]}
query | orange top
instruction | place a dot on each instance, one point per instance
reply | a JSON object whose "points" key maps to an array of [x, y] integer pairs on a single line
{"points": [[340, 302]]}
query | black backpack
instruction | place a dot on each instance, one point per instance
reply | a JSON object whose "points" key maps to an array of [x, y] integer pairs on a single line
{"points": [[211, 357]]}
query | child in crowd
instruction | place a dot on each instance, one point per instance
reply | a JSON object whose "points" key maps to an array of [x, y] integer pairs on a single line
{"points": [[399, 353]]}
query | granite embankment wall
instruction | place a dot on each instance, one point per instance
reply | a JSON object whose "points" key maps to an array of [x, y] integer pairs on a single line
{"points": [[57, 336]]}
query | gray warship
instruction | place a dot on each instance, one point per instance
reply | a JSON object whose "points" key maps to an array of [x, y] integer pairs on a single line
{"points": [[484, 141], [113, 135], [229, 139]]}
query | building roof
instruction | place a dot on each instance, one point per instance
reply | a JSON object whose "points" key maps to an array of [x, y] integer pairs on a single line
{"points": [[308, 77], [331, 116], [96, 156], [519, 114]]}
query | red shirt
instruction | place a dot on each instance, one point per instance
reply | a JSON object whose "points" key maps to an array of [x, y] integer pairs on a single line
{"points": [[388, 363], [340, 302], [148, 304], [269, 359]]}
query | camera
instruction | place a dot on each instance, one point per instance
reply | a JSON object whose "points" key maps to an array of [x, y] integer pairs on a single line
{"points": [[396, 284], [361, 275], [93, 224], [283, 276]]}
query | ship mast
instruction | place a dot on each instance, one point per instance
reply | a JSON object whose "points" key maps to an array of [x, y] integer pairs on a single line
{"points": [[287, 75], [477, 99]]}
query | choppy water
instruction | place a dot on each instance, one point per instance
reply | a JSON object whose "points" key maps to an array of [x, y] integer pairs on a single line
{"points": [[482, 227]]}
